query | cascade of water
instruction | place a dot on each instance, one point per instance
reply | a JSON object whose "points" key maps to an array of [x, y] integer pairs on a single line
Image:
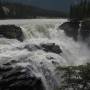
{"points": [[41, 63]]}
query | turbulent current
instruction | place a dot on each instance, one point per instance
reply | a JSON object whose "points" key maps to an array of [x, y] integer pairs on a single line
{"points": [[32, 55]]}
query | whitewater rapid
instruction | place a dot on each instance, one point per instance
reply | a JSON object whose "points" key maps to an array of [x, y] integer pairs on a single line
{"points": [[43, 64]]}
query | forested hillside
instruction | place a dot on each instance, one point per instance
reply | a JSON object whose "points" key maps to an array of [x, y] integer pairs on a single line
{"points": [[81, 10], [14, 10]]}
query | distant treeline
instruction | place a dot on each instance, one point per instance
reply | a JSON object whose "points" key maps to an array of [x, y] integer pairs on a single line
{"points": [[14, 10], [81, 10]]}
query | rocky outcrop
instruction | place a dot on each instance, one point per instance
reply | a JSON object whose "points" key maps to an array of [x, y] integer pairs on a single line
{"points": [[51, 47], [11, 32], [70, 28], [16, 77], [85, 29], [32, 47], [47, 47]]}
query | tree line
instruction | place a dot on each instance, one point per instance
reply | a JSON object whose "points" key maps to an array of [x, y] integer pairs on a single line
{"points": [[81, 10], [20, 10]]}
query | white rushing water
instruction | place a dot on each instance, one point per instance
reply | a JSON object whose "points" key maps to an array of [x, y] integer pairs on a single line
{"points": [[43, 64]]}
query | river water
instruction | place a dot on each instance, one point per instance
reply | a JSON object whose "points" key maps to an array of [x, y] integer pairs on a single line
{"points": [[43, 64]]}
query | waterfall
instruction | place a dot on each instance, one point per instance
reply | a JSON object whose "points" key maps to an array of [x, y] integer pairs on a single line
{"points": [[31, 54]]}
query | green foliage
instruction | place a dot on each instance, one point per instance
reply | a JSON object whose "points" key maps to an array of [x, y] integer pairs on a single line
{"points": [[75, 77]]}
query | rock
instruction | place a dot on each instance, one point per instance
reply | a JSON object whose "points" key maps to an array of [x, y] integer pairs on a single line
{"points": [[11, 32], [48, 47], [51, 47], [85, 29], [55, 63], [64, 26], [18, 78], [50, 57], [32, 47], [70, 28]]}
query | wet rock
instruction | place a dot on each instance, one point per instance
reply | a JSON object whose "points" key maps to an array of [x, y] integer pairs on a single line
{"points": [[11, 32], [51, 47], [70, 28], [50, 57], [48, 47], [32, 47], [55, 63], [18, 78], [85, 29]]}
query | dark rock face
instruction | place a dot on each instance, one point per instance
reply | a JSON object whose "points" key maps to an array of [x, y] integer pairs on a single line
{"points": [[11, 32], [70, 29], [85, 29], [51, 47], [18, 78], [47, 47]]}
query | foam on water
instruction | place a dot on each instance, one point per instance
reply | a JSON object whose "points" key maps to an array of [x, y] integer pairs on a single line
{"points": [[43, 64]]}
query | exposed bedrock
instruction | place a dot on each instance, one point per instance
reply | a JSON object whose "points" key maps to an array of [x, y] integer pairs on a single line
{"points": [[73, 29], [11, 32], [85, 29], [18, 78], [70, 28], [51, 47], [47, 47]]}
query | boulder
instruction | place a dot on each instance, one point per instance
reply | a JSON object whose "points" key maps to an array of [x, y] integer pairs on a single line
{"points": [[51, 47], [11, 32], [70, 28], [18, 78]]}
